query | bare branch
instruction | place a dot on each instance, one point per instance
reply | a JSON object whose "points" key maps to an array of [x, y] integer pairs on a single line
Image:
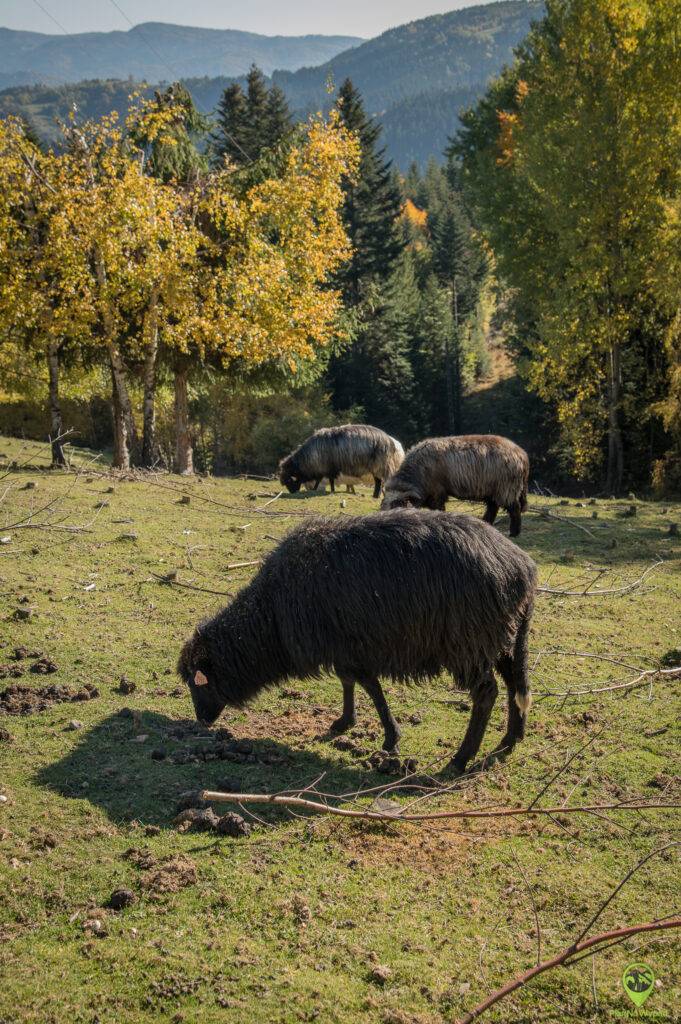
{"points": [[595, 943]]}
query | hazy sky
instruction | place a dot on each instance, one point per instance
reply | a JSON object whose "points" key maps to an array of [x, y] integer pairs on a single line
{"points": [[271, 17]]}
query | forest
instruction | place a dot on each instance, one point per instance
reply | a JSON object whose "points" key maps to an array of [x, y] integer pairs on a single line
{"points": [[415, 277]]}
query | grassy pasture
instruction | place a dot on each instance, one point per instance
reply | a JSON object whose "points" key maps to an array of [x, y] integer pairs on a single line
{"points": [[291, 923]]}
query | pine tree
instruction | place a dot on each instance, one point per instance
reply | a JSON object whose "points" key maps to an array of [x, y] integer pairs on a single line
{"points": [[372, 202], [278, 118], [250, 123], [229, 138]]}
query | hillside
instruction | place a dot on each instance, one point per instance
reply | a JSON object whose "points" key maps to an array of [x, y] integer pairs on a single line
{"points": [[461, 49], [155, 51], [415, 78]]}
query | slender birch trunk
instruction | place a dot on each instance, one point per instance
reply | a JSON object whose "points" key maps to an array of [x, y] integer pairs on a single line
{"points": [[125, 432], [615, 447], [150, 450], [184, 452], [56, 423]]}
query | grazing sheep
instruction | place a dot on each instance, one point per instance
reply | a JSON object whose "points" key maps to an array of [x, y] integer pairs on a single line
{"points": [[403, 594], [474, 467], [353, 450]]}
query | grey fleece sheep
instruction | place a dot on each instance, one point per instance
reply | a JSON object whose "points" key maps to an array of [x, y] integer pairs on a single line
{"points": [[351, 450], [473, 467], [403, 595]]}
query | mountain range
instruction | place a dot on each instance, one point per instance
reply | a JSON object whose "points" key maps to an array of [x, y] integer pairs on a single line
{"points": [[155, 51], [415, 78]]}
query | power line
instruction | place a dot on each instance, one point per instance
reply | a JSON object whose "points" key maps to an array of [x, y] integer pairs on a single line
{"points": [[51, 17], [174, 73]]}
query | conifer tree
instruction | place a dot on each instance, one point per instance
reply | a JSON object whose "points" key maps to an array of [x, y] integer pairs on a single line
{"points": [[372, 201], [229, 137], [250, 123], [278, 118]]}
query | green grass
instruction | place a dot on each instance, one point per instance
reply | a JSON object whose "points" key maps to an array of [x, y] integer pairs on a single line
{"points": [[287, 925]]}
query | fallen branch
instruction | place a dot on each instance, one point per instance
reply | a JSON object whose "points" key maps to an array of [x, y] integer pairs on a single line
{"points": [[642, 680], [491, 812], [581, 945], [563, 958], [544, 513], [600, 593], [170, 582]]}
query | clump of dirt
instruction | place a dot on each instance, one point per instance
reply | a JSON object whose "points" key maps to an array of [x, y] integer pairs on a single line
{"points": [[44, 667], [196, 814], [391, 764], [22, 653], [11, 671], [26, 700], [6, 736], [121, 898], [170, 875], [202, 820], [233, 825], [143, 859]]}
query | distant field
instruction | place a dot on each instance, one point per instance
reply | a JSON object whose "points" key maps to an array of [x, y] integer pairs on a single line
{"points": [[290, 923]]}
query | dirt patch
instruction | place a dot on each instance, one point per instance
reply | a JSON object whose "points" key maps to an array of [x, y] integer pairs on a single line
{"points": [[27, 700], [291, 725], [422, 849], [170, 876]]}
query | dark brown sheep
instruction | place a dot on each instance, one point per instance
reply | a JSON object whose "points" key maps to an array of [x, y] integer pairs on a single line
{"points": [[353, 450], [473, 467], [403, 595]]}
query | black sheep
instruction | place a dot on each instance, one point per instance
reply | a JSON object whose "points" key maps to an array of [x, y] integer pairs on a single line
{"points": [[403, 594]]}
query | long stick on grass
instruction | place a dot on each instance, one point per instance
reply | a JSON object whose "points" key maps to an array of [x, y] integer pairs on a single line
{"points": [[491, 812]]}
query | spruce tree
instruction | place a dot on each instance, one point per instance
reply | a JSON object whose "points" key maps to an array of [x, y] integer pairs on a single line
{"points": [[372, 202], [278, 118], [229, 138], [250, 123]]}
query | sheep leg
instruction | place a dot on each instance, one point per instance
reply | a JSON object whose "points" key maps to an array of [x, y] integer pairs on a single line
{"points": [[516, 519], [332, 481], [349, 717], [377, 487], [514, 671], [491, 511], [515, 729], [390, 726], [484, 694], [316, 484]]}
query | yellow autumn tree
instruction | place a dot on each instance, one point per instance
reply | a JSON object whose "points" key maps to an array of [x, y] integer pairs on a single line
{"points": [[259, 291], [570, 160]]}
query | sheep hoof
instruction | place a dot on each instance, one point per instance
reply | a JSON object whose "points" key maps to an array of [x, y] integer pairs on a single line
{"points": [[342, 725], [456, 766]]}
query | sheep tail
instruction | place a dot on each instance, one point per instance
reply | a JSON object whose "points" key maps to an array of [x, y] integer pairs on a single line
{"points": [[523, 696]]}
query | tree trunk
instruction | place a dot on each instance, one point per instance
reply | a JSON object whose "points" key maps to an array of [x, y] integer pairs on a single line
{"points": [[150, 450], [615, 448], [125, 432], [121, 452], [184, 453], [56, 427]]}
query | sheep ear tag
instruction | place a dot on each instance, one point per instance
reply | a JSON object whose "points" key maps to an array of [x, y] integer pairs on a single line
{"points": [[200, 679]]}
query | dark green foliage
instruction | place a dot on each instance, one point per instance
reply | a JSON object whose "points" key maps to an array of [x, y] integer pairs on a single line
{"points": [[372, 202], [252, 122]]}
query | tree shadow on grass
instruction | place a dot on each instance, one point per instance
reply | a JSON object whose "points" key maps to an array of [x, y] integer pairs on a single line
{"points": [[130, 781]]}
